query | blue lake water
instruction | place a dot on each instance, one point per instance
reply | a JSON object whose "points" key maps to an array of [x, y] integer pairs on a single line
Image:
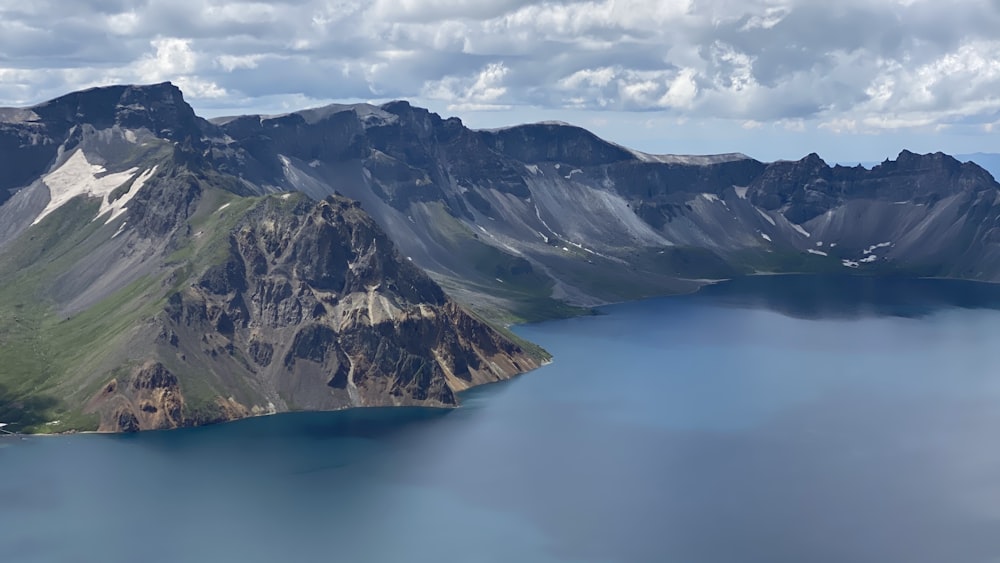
{"points": [[780, 419]]}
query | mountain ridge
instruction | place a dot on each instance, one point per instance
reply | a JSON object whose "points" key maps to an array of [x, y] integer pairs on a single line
{"points": [[412, 160], [158, 269], [189, 301]]}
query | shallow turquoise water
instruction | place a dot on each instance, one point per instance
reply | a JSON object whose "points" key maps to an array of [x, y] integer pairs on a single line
{"points": [[781, 419]]}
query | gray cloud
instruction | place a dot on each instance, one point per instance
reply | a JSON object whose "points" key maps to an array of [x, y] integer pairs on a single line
{"points": [[855, 65]]}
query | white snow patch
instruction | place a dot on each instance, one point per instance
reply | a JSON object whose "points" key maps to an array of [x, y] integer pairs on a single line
{"points": [[223, 206], [17, 115], [819, 243], [286, 196], [869, 259], [508, 247], [130, 135], [76, 177], [874, 247], [710, 197], [833, 245], [800, 230], [533, 168], [765, 237], [566, 249], [538, 214], [571, 172], [849, 263], [741, 191], [120, 230], [315, 163], [816, 252], [117, 207], [583, 248], [766, 217]]}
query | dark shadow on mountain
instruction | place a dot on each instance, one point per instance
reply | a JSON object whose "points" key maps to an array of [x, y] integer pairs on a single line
{"points": [[21, 413], [816, 297]]}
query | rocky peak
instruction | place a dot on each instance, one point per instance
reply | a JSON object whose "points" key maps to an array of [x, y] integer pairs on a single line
{"points": [[39, 133], [809, 165], [910, 159], [419, 121], [800, 186], [808, 187], [909, 162], [159, 108], [931, 175]]}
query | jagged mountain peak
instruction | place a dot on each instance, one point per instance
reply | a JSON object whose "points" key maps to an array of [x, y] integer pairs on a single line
{"points": [[908, 160], [161, 108], [937, 172]]}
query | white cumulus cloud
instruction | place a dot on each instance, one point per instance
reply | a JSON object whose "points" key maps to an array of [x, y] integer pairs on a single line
{"points": [[853, 66]]}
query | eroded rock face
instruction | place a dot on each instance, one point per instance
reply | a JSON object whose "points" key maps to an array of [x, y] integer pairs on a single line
{"points": [[149, 399], [311, 309]]}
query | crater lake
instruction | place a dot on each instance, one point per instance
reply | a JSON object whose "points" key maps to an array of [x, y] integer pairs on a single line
{"points": [[769, 419]]}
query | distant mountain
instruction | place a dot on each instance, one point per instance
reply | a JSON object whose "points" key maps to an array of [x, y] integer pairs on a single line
{"points": [[509, 218], [158, 269], [988, 161]]}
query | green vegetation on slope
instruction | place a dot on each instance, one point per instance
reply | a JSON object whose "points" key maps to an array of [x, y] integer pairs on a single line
{"points": [[45, 354], [39, 349]]}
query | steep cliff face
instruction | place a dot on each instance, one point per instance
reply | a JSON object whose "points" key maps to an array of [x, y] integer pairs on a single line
{"points": [[311, 308], [37, 134], [805, 189], [920, 214], [595, 222], [301, 306]]}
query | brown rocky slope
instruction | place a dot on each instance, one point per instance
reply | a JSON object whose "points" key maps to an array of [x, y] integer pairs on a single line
{"points": [[310, 308]]}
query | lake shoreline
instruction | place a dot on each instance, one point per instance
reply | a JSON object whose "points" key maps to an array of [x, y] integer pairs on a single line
{"points": [[595, 311]]}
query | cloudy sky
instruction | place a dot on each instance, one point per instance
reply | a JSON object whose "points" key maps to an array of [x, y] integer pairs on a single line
{"points": [[850, 79]]}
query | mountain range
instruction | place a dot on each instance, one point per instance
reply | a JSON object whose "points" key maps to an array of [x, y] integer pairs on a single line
{"points": [[158, 269]]}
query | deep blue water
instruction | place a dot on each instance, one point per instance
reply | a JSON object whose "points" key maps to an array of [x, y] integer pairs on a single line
{"points": [[789, 419]]}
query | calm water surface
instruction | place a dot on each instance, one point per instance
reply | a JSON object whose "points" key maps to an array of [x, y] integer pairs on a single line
{"points": [[770, 420]]}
